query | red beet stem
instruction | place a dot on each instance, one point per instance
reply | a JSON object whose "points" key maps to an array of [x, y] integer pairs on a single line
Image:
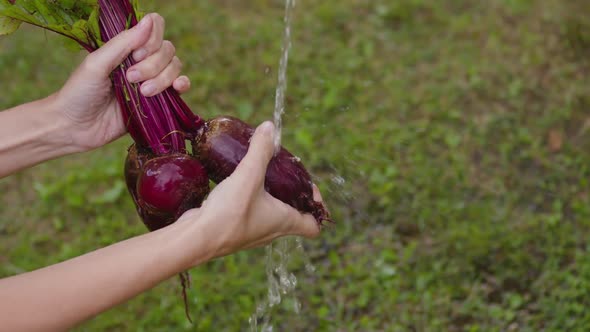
{"points": [[161, 123]]}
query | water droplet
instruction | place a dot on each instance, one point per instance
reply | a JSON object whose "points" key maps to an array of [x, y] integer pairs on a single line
{"points": [[338, 180], [274, 296], [296, 306]]}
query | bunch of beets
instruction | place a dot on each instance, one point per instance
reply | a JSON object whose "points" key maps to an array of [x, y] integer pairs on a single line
{"points": [[163, 177]]}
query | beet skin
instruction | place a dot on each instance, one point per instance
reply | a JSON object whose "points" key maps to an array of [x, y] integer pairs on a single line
{"points": [[222, 143], [164, 187]]}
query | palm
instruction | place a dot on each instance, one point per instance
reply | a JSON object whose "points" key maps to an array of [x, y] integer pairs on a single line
{"points": [[106, 127], [95, 111]]}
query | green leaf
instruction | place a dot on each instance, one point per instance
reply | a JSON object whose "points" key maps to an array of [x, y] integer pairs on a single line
{"points": [[94, 26], [8, 25], [46, 12], [68, 18], [78, 20], [71, 45]]}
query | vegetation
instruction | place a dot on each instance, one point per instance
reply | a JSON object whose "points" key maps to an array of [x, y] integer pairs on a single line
{"points": [[450, 139]]}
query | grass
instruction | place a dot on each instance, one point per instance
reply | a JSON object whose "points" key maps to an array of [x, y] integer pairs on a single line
{"points": [[449, 137]]}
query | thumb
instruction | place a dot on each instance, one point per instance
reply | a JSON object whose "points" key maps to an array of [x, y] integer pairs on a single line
{"points": [[114, 52], [260, 152]]}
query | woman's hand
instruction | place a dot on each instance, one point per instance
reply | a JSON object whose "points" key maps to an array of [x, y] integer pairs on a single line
{"points": [[86, 101], [240, 214]]}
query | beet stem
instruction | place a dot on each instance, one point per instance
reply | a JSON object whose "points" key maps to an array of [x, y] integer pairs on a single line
{"points": [[151, 121]]}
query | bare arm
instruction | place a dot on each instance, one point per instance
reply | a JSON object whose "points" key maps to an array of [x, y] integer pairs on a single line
{"points": [[58, 297], [32, 133]]}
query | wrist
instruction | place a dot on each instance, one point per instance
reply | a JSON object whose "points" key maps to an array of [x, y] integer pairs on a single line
{"points": [[32, 133], [191, 239], [67, 127]]}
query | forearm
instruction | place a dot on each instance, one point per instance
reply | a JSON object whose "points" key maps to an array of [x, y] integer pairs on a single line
{"points": [[63, 295], [30, 134]]}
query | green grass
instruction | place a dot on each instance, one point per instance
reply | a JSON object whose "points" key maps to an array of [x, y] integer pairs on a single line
{"points": [[461, 130]]}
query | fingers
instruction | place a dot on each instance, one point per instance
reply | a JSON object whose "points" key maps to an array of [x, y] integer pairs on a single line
{"points": [[154, 64], [317, 196], [157, 67], [159, 71], [162, 80], [154, 43], [293, 222], [104, 60], [305, 225], [260, 152], [182, 84]]}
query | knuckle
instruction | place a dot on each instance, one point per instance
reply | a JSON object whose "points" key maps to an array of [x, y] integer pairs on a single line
{"points": [[177, 62], [159, 19], [90, 64], [169, 47], [149, 71], [314, 234]]}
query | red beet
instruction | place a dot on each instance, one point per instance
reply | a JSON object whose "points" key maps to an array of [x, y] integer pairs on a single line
{"points": [[222, 143], [164, 187], [172, 184]]}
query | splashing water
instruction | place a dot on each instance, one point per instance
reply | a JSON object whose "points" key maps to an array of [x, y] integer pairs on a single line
{"points": [[281, 282], [279, 255]]}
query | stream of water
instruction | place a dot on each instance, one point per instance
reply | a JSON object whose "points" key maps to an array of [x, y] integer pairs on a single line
{"points": [[282, 79], [281, 282]]}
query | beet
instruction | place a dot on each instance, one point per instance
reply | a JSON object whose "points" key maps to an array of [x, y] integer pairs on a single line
{"points": [[172, 184], [223, 141], [134, 162], [164, 187]]}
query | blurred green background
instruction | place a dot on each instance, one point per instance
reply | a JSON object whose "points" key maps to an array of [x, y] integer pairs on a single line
{"points": [[450, 138]]}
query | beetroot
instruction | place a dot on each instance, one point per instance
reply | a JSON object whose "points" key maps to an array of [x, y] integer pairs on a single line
{"points": [[164, 187], [163, 179], [172, 184], [222, 143]]}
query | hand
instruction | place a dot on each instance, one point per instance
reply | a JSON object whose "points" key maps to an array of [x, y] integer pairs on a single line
{"points": [[86, 100], [240, 214]]}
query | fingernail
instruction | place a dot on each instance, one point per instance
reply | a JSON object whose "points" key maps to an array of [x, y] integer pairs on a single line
{"points": [[139, 54], [133, 76], [144, 21], [266, 127], [181, 83], [185, 82], [148, 89]]}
